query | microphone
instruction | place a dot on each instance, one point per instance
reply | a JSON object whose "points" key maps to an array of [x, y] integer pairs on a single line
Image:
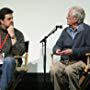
{"points": [[59, 26], [56, 27]]}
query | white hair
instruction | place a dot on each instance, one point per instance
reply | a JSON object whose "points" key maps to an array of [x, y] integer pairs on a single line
{"points": [[79, 13]]}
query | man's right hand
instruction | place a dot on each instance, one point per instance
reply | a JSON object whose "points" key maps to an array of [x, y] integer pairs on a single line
{"points": [[58, 52], [10, 30]]}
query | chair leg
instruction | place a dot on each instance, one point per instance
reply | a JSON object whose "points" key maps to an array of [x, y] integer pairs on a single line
{"points": [[85, 83]]}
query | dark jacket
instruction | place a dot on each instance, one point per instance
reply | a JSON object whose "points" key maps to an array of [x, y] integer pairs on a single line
{"points": [[80, 44], [8, 49]]}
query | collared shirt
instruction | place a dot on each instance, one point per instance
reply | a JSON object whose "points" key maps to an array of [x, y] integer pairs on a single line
{"points": [[72, 32], [80, 44]]}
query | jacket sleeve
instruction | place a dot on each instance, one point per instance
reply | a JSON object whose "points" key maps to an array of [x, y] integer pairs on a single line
{"points": [[85, 49], [59, 43], [19, 47]]}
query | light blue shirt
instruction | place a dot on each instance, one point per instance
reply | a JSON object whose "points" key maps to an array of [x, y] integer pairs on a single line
{"points": [[72, 32]]}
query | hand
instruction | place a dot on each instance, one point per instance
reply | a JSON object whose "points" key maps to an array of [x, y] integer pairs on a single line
{"points": [[12, 35], [66, 52], [10, 30], [58, 52]]}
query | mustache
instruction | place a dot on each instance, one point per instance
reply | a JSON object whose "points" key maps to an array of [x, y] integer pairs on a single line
{"points": [[12, 23]]}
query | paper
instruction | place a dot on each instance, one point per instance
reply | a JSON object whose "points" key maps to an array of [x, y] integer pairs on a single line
{"points": [[1, 58]]}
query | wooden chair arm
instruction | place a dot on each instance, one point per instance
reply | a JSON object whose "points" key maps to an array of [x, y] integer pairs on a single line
{"points": [[25, 57], [88, 60], [87, 54], [24, 66], [86, 70]]}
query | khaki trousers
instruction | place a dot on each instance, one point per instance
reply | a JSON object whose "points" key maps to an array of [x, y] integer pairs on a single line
{"points": [[66, 77]]}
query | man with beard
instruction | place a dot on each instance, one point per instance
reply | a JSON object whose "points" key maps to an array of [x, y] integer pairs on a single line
{"points": [[11, 44]]}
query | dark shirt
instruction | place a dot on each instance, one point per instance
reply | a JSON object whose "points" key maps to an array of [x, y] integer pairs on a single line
{"points": [[18, 48], [80, 43]]}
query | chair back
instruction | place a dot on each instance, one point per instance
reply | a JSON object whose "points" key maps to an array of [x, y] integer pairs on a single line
{"points": [[26, 46], [25, 56]]}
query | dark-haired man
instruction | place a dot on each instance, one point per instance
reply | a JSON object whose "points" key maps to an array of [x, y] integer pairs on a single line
{"points": [[11, 44]]}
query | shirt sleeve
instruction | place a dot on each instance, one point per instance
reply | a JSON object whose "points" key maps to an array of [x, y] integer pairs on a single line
{"points": [[19, 47]]}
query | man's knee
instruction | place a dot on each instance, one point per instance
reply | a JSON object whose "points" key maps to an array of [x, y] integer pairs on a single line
{"points": [[57, 68], [53, 69], [68, 70], [9, 60]]}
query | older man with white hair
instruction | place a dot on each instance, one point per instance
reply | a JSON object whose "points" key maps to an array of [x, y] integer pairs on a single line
{"points": [[72, 45]]}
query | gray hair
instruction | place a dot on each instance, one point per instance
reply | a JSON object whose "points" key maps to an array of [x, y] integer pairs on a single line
{"points": [[79, 13]]}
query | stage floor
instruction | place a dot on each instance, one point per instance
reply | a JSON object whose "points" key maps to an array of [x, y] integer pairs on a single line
{"points": [[34, 81]]}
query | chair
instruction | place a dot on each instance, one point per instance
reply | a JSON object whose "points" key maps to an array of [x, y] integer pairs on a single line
{"points": [[21, 69], [85, 78], [19, 65]]}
